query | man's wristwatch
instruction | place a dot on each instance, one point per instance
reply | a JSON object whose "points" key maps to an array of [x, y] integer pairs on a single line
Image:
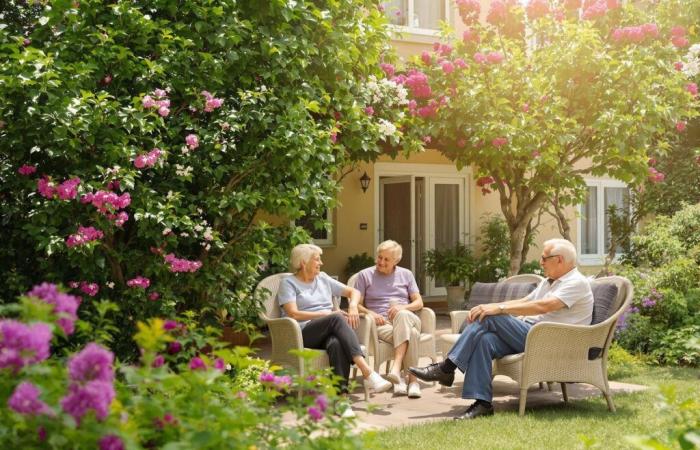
{"points": [[502, 309]]}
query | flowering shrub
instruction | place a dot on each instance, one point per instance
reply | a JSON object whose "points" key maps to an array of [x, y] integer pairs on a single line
{"points": [[90, 401], [145, 143], [548, 85]]}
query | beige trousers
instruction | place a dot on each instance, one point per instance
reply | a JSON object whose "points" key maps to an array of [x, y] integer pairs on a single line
{"points": [[405, 327]]}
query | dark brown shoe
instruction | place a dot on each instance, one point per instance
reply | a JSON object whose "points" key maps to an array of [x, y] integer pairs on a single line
{"points": [[433, 372]]}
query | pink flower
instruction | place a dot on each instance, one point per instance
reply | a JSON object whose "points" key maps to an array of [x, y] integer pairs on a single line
{"points": [[480, 58], [139, 282], [22, 345], [334, 137], [651, 30], [498, 13], [153, 296], [144, 160], [197, 364], [679, 41], [572, 4], [484, 181], [158, 361], [596, 10], [459, 62], [442, 49], [388, 69], [417, 83], [163, 111], [470, 35], [427, 139], [68, 190], [25, 400], [90, 289], [94, 395], [655, 176], [212, 104], [678, 31], [174, 347], [678, 65], [45, 187], [64, 306], [680, 126], [526, 107], [537, 8], [314, 413], [426, 58], [499, 142], [494, 57], [220, 365], [461, 143], [266, 377], [160, 93], [111, 442], [369, 111], [26, 170], [83, 236], [469, 10], [121, 218], [192, 141], [447, 67], [692, 88], [148, 102], [181, 265], [169, 325], [94, 362], [559, 15]]}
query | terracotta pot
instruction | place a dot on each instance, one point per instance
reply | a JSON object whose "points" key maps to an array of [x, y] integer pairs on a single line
{"points": [[455, 297], [235, 338]]}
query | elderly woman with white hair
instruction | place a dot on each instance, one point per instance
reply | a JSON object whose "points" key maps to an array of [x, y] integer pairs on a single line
{"points": [[307, 297], [390, 296]]}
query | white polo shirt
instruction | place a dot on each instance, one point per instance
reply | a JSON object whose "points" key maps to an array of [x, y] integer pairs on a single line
{"points": [[574, 290]]}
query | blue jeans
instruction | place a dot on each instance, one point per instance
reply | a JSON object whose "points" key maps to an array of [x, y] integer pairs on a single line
{"points": [[479, 344]]}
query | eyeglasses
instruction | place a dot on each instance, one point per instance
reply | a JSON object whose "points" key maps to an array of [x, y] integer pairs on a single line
{"points": [[545, 258]]}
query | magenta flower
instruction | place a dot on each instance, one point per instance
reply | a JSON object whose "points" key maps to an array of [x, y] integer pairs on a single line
{"points": [[470, 35], [459, 62], [111, 442], [121, 218], [163, 111], [494, 57], [282, 382], [83, 236], [139, 282], [266, 377], [426, 57], [46, 187], [655, 176], [146, 160], [680, 126], [26, 169], [692, 88], [170, 325], [197, 364], [211, 103], [417, 83], [21, 344], [537, 8], [93, 363], [65, 305], [219, 364], [90, 289], [499, 142], [480, 58], [148, 102], [388, 69], [447, 67], [181, 265], [369, 111], [95, 395], [469, 10], [679, 41], [25, 400], [526, 107], [651, 30], [498, 13], [596, 10], [158, 361], [192, 141], [314, 413], [678, 65], [321, 402], [174, 347], [153, 296], [678, 31], [68, 190]]}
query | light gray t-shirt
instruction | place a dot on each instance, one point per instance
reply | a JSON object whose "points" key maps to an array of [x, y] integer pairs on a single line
{"points": [[314, 296], [574, 290], [378, 288]]}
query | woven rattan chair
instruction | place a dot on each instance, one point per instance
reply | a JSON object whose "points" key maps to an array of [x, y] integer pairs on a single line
{"points": [[285, 332], [382, 351], [568, 353], [457, 318]]}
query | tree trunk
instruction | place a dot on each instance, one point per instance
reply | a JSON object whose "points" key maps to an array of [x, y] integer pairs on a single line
{"points": [[562, 223]]}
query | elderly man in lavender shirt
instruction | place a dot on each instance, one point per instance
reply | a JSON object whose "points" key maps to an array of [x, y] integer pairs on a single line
{"points": [[389, 294]]}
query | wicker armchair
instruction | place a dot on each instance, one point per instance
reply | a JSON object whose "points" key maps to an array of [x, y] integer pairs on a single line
{"points": [[286, 332], [382, 351], [568, 353], [457, 318]]}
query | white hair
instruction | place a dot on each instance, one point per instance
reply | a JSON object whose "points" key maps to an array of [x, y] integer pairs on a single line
{"points": [[393, 247], [303, 253], [563, 248]]}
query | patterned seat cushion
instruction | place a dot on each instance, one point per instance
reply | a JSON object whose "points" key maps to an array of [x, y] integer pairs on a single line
{"points": [[497, 292], [604, 299]]}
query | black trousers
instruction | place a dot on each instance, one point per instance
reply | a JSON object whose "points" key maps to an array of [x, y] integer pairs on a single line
{"points": [[333, 334]]}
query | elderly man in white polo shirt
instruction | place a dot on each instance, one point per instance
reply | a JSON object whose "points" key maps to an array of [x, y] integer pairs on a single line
{"points": [[493, 332]]}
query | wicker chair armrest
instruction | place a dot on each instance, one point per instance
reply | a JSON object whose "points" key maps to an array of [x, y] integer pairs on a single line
{"points": [[364, 330], [560, 341], [457, 318], [285, 333], [427, 320]]}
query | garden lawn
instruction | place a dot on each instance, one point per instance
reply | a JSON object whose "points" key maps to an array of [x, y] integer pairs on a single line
{"points": [[581, 423]]}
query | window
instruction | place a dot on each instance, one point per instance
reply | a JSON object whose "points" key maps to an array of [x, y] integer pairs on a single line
{"points": [[594, 220], [315, 227], [416, 14]]}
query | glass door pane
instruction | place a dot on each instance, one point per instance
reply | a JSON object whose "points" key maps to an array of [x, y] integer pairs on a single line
{"points": [[589, 223], [428, 14], [618, 197], [446, 219]]}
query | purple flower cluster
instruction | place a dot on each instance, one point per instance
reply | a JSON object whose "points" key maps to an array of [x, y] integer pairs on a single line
{"points": [[22, 344], [65, 305], [652, 299], [83, 236], [211, 103], [106, 201], [111, 442], [25, 400], [280, 382], [67, 190], [147, 159], [181, 265], [167, 420], [91, 375], [139, 282], [320, 406], [157, 99], [197, 364], [90, 289]]}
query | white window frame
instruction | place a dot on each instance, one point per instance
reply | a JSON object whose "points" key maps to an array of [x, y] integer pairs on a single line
{"points": [[410, 33], [598, 258], [330, 239]]}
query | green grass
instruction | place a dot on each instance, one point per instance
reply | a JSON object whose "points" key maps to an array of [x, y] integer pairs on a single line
{"points": [[579, 424]]}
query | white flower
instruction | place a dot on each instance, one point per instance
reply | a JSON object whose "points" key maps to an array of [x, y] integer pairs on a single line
{"points": [[170, 195], [386, 128], [110, 284], [184, 234], [198, 228], [167, 231], [208, 234], [183, 171]]}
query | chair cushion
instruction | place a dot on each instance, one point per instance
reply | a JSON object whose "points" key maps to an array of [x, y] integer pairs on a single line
{"points": [[497, 292], [604, 296]]}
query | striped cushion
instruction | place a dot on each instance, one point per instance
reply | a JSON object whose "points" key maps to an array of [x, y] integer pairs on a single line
{"points": [[497, 292]]}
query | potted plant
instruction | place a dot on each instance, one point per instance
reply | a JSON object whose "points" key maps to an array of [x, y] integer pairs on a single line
{"points": [[453, 266]]}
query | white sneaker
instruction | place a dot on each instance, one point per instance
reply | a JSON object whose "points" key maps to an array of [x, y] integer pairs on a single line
{"points": [[377, 383], [400, 388], [414, 390], [344, 410]]}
